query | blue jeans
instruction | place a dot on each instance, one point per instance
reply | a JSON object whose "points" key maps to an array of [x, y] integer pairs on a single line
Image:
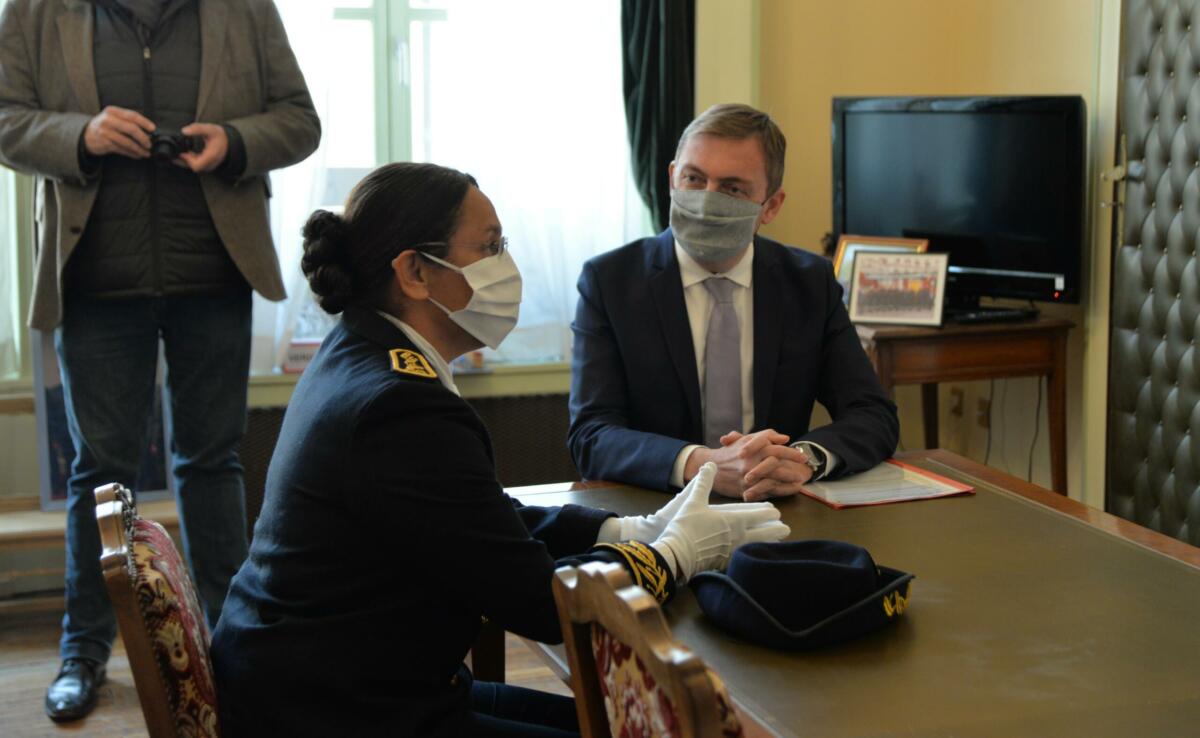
{"points": [[107, 352]]}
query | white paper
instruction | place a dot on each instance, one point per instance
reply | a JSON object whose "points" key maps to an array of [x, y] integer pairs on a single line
{"points": [[888, 482]]}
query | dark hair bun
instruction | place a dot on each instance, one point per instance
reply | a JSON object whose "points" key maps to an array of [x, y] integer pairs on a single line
{"points": [[325, 262]]}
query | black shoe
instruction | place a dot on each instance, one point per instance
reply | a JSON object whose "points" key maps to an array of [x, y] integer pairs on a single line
{"points": [[72, 694]]}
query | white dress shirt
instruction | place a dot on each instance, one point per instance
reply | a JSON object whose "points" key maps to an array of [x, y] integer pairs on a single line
{"points": [[427, 350], [699, 305]]}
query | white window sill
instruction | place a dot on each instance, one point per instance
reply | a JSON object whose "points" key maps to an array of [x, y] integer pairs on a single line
{"points": [[274, 390]]}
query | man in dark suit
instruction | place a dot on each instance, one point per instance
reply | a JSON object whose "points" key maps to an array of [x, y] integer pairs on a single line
{"points": [[709, 342], [150, 126]]}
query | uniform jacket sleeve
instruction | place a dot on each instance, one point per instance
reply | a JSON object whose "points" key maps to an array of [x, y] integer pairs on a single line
{"points": [[427, 480], [562, 529], [32, 140], [287, 130]]}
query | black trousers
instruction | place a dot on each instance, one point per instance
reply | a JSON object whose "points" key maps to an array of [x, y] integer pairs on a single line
{"points": [[502, 710]]}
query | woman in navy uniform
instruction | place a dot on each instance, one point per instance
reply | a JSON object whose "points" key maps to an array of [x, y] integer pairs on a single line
{"points": [[384, 536]]}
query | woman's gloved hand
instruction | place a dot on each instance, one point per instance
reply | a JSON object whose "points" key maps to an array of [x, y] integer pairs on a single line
{"points": [[647, 528], [700, 537]]}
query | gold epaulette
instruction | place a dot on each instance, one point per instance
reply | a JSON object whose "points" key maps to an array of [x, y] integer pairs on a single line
{"points": [[644, 566], [407, 361]]}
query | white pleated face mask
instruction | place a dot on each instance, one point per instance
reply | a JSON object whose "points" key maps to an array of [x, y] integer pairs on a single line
{"points": [[495, 304]]}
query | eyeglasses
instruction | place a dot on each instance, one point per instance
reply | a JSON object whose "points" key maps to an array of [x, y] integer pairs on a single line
{"points": [[492, 248], [496, 247]]}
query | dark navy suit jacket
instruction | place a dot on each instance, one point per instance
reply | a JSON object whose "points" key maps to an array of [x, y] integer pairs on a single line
{"points": [[635, 395]]}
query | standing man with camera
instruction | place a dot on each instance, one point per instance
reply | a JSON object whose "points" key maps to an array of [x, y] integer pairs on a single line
{"points": [[150, 126]]}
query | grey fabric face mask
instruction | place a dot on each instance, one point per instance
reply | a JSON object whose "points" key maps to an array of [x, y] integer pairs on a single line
{"points": [[712, 226]]}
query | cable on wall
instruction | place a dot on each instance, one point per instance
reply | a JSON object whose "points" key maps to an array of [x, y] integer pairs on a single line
{"points": [[987, 454], [1037, 426]]}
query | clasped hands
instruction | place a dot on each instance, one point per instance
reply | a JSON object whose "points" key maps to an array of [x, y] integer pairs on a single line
{"points": [[699, 536], [125, 132], [753, 466]]}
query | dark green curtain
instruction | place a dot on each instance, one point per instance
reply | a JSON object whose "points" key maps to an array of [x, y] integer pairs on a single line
{"points": [[659, 43]]}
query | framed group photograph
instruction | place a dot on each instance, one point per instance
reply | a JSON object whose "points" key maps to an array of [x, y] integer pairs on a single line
{"points": [[850, 246], [904, 288]]}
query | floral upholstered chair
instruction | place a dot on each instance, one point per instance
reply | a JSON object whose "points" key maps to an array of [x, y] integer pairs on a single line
{"points": [[162, 625], [630, 679]]}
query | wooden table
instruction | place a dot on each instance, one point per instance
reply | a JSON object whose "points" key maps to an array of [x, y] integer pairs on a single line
{"points": [[957, 352], [1030, 615]]}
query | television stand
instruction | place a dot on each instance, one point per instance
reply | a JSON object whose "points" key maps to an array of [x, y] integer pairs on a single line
{"points": [[980, 314], [974, 351]]}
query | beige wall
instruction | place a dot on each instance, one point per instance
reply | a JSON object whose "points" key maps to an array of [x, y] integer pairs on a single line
{"points": [[810, 51], [18, 458], [727, 59], [813, 51]]}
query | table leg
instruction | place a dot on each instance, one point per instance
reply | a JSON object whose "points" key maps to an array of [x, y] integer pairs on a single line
{"points": [[487, 654], [1056, 415], [929, 410]]}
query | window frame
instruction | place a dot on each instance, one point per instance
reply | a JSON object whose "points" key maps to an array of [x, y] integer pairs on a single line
{"points": [[17, 253], [391, 22]]}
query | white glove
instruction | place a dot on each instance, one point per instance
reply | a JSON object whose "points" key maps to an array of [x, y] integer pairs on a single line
{"points": [[647, 528], [701, 537]]}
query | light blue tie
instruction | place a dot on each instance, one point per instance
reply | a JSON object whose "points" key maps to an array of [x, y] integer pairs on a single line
{"points": [[722, 365]]}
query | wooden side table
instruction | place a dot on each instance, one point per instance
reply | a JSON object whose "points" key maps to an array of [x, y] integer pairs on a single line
{"points": [[926, 356]]}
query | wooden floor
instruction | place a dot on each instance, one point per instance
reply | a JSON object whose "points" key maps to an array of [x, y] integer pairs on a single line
{"points": [[29, 660]]}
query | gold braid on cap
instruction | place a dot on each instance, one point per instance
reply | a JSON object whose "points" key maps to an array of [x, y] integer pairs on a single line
{"points": [[643, 564]]}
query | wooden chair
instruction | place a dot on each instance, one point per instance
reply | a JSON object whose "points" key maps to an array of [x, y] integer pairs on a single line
{"points": [[629, 677], [159, 615]]}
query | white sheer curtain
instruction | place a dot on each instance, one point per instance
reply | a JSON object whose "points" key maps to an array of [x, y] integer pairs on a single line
{"points": [[299, 189], [527, 96], [524, 94], [10, 308]]}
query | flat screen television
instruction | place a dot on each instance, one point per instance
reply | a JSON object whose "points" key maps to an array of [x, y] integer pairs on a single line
{"points": [[995, 182]]}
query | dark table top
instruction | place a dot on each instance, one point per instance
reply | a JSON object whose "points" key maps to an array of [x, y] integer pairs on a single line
{"points": [[1024, 620]]}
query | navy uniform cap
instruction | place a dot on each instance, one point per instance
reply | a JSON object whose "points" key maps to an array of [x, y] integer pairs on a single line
{"points": [[802, 594]]}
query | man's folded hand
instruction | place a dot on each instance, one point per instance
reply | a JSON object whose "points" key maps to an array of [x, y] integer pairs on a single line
{"points": [[753, 466]]}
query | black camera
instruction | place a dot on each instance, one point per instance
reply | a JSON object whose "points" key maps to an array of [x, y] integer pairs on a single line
{"points": [[166, 144]]}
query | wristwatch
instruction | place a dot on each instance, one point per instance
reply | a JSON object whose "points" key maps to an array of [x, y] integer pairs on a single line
{"points": [[814, 457]]}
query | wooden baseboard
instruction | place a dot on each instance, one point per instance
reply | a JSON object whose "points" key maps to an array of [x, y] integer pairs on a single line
{"points": [[32, 549], [16, 403], [41, 604], [17, 503], [37, 526]]}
